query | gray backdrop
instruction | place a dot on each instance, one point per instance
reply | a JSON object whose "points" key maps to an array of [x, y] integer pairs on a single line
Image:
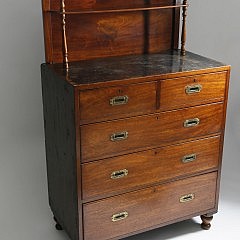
{"points": [[213, 30]]}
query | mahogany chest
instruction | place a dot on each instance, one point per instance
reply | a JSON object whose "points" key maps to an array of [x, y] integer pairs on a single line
{"points": [[134, 127]]}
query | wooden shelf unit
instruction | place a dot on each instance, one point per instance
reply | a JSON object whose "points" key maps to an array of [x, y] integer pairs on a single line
{"points": [[134, 126], [143, 6]]}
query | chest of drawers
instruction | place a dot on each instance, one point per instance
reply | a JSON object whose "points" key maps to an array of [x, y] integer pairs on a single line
{"points": [[133, 142]]}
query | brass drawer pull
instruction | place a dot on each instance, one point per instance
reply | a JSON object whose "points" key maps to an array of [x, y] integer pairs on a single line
{"points": [[193, 89], [119, 100], [119, 174], [119, 216], [189, 158], [187, 198], [191, 122], [119, 136]]}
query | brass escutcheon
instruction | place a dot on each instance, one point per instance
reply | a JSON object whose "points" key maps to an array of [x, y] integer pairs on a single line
{"points": [[119, 100], [119, 136], [119, 216], [193, 89], [191, 122], [187, 198], [189, 158], [119, 174]]}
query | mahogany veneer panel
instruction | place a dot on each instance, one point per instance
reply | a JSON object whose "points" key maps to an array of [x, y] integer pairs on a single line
{"points": [[105, 35], [173, 91], [148, 131], [161, 203], [109, 34], [95, 104], [148, 167]]}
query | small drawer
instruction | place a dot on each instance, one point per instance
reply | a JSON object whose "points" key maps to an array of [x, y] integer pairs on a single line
{"points": [[117, 102], [103, 140], [191, 91], [115, 175], [130, 212]]}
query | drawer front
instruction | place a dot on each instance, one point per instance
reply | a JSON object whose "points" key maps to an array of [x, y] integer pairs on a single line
{"points": [[111, 176], [124, 136], [190, 91], [116, 102], [116, 216]]}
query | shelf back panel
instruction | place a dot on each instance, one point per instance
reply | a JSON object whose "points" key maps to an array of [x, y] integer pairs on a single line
{"points": [[109, 34]]}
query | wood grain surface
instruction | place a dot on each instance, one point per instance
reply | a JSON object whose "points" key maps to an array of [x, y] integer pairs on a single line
{"points": [[115, 170], [148, 167], [148, 131], [60, 137], [109, 34], [95, 104], [173, 91], [148, 207]]}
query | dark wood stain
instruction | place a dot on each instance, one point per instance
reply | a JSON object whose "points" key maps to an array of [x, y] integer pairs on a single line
{"points": [[59, 124], [127, 50], [114, 70]]}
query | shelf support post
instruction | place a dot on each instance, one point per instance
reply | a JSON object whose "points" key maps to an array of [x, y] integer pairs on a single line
{"points": [[64, 36], [184, 29]]}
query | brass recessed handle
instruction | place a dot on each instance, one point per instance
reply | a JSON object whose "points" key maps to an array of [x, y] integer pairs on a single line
{"points": [[190, 89], [119, 216], [187, 198], [119, 100], [119, 136], [191, 122], [189, 158], [119, 174]]}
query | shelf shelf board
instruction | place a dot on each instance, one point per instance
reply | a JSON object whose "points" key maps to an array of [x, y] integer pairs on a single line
{"points": [[119, 10]]}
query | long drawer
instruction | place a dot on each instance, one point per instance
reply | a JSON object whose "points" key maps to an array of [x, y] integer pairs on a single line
{"points": [[118, 137], [190, 91], [119, 215], [115, 102], [115, 175]]}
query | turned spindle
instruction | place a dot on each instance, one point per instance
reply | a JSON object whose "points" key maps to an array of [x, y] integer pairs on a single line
{"points": [[64, 36], [184, 30]]}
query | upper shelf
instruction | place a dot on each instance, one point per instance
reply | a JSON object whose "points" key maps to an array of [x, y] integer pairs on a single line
{"points": [[107, 28], [147, 8]]}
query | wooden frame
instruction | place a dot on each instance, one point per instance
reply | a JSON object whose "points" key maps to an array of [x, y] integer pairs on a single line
{"points": [[55, 15]]}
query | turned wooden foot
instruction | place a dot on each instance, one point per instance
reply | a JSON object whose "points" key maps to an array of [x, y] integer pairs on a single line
{"points": [[57, 226], [206, 222]]}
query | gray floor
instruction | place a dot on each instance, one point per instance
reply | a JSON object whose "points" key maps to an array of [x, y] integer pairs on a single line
{"points": [[25, 215]]}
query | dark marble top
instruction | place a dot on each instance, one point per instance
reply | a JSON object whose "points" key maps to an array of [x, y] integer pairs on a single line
{"points": [[134, 66]]}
